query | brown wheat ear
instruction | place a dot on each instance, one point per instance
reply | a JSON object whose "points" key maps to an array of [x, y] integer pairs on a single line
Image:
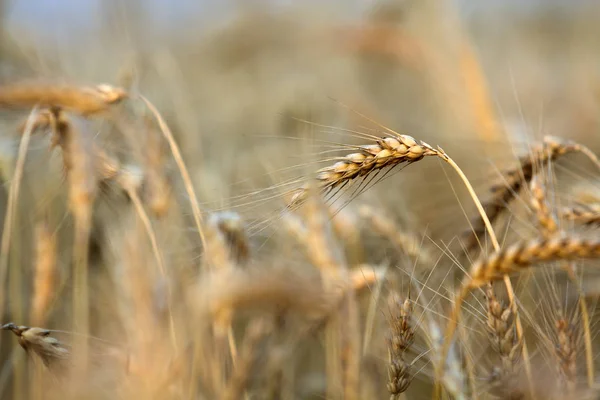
{"points": [[581, 214], [39, 341], [386, 152], [539, 203], [86, 101], [528, 253], [401, 338], [514, 181], [503, 337], [566, 351], [231, 226]]}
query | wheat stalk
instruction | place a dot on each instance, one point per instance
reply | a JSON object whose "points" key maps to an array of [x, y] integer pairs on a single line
{"points": [[44, 272], [13, 196], [248, 360]]}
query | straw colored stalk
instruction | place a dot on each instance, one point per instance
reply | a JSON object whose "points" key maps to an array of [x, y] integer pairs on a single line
{"points": [[45, 273]]}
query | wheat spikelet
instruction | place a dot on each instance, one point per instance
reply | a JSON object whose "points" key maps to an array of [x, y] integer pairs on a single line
{"points": [[502, 332], [518, 256], [545, 217], [231, 227], [515, 180], [401, 338], [81, 100], [566, 351], [581, 214], [528, 253], [549, 228], [386, 152], [157, 191], [38, 340]]}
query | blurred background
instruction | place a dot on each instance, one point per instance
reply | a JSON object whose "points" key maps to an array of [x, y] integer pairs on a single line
{"points": [[243, 84], [260, 94]]}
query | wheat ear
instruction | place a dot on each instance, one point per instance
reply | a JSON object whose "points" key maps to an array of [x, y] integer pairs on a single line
{"points": [[566, 352], [516, 179], [528, 253], [549, 229], [86, 101], [401, 338], [391, 152], [38, 340], [581, 214], [386, 152], [501, 327]]}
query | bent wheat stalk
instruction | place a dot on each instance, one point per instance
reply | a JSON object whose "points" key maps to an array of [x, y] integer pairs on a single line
{"points": [[519, 256], [549, 228], [391, 152], [187, 180], [517, 178], [13, 196]]}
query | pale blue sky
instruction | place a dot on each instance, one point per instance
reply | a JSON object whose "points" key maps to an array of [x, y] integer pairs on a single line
{"points": [[56, 17]]}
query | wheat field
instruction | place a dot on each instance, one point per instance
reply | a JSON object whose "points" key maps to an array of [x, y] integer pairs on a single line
{"points": [[322, 200]]}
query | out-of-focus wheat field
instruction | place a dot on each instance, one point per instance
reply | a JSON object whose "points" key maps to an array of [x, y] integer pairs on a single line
{"points": [[236, 260]]}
